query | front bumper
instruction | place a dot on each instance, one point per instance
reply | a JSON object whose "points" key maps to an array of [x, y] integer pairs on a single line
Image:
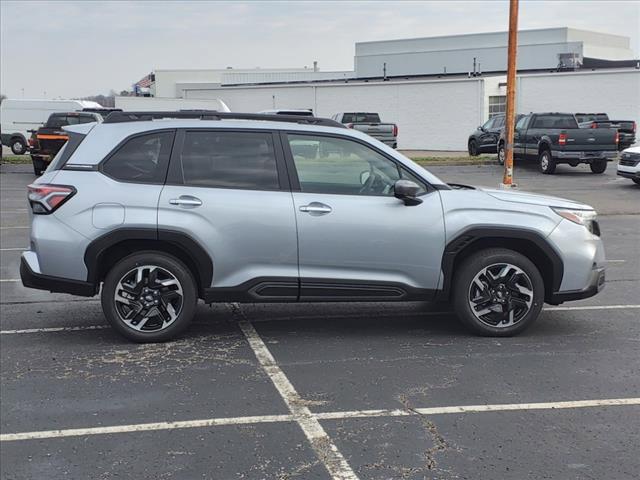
{"points": [[631, 175], [32, 278], [596, 284]]}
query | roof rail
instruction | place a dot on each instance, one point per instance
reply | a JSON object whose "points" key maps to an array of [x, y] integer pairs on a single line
{"points": [[122, 117]]}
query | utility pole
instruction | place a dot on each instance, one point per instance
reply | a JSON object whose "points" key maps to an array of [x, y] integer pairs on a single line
{"points": [[507, 180]]}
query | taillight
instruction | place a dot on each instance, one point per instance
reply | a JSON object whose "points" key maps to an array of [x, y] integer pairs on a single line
{"points": [[395, 130], [349, 125], [45, 198], [617, 137], [634, 127], [562, 139], [594, 125]]}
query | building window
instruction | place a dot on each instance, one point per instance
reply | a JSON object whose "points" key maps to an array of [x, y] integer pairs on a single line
{"points": [[497, 105]]}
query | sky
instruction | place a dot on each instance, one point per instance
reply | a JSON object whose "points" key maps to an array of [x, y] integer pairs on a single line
{"points": [[72, 49]]}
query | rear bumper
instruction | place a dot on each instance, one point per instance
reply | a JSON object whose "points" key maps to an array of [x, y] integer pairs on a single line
{"points": [[596, 284], [32, 278], [585, 156]]}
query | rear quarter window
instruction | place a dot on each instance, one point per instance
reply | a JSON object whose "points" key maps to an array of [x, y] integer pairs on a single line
{"points": [[67, 150], [141, 159]]}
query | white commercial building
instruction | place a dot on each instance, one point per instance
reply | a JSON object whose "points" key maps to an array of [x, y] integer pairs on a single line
{"points": [[434, 110]]}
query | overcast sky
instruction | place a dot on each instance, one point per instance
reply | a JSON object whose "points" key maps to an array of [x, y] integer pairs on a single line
{"points": [[73, 49]]}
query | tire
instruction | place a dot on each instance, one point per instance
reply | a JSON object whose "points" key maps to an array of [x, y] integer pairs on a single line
{"points": [[599, 166], [18, 146], [546, 163], [168, 309], [39, 166], [501, 154], [636, 181], [473, 148], [506, 277]]}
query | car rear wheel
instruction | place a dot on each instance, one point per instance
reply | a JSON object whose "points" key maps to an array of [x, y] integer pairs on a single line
{"points": [[598, 166], [473, 148], [636, 181], [498, 292], [546, 163], [18, 146], [149, 297], [501, 154]]}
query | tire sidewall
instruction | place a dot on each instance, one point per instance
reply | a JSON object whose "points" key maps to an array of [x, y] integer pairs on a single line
{"points": [[551, 166], [502, 157], [473, 148], [468, 271], [598, 166], [23, 146], [171, 264]]}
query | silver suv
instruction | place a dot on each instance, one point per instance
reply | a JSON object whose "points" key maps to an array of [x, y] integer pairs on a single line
{"points": [[158, 210]]}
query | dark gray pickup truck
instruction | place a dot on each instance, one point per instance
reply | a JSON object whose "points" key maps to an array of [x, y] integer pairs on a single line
{"points": [[553, 138]]}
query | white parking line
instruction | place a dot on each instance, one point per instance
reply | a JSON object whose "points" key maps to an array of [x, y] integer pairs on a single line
{"points": [[143, 427], [13, 228], [12, 249], [53, 329], [316, 417], [10, 280], [326, 451]]}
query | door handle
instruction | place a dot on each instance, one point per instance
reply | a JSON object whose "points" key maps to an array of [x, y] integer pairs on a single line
{"points": [[186, 201], [316, 208]]}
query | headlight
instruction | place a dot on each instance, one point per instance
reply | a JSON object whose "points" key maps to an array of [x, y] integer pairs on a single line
{"points": [[581, 217]]}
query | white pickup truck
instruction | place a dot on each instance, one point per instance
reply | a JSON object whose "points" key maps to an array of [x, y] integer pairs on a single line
{"points": [[370, 124]]}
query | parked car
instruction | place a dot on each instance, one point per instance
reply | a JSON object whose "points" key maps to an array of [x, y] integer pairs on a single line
{"points": [[47, 141], [555, 138], [626, 128], [370, 124], [156, 214], [502, 139], [485, 138], [629, 164], [19, 116]]}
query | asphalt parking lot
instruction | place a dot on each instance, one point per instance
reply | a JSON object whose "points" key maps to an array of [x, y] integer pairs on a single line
{"points": [[370, 391]]}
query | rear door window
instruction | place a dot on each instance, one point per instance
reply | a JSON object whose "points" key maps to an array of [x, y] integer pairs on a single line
{"points": [[141, 159], [223, 159]]}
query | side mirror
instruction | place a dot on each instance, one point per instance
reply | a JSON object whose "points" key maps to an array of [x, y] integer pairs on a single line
{"points": [[407, 191], [481, 128]]}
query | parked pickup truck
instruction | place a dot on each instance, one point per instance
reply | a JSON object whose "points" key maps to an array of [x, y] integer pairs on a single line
{"points": [[626, 128], [47, 141], [370, 124], [553, 138]]}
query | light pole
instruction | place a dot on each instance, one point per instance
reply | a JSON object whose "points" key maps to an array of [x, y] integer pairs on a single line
{"points": [[507, 179]]}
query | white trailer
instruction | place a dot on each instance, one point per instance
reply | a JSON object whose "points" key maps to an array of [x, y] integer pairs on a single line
{"points": [[18, 116]]}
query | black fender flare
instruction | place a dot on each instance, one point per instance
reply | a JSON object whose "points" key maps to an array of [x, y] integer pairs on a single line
{"points": [[482, 233], [197, 257]]}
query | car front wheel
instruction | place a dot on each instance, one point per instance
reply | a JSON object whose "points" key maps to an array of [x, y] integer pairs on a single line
{"points": [[498, 292], [149, 297], [473, 148]]}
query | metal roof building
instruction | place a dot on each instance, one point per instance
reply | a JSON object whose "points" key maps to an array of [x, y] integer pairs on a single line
{"points": [[537, 50]]}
